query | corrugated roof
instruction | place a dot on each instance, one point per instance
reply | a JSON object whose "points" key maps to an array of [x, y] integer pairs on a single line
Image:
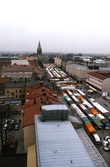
{"points": [[58, 145]]}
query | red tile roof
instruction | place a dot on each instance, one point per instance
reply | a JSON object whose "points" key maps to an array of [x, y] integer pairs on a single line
{"points": [[38, 91], [37, 98], [29, 113]]}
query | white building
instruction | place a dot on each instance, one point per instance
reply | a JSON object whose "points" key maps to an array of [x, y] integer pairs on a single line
{"points": [[19, 62], [99, 81], [77, 71]]}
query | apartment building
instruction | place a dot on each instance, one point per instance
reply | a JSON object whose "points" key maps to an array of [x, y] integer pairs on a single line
{"points": [[99, 81], [77, 71], [18, 71], [14, 89], [58, 61]]}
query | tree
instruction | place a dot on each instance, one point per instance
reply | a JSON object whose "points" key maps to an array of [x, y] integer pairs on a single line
{"points": [[51, 60], [40, 64]]}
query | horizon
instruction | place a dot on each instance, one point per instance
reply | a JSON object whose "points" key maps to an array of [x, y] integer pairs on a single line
{"points": [[28, 52], [60, 26]]}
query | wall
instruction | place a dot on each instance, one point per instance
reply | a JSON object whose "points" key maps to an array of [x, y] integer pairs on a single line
{"points": [[29, 136], [77, 72], [15, 92], [106, 86]]}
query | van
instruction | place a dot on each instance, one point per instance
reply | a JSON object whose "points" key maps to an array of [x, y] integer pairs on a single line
{"points": [[100, 117], [96, 138]]}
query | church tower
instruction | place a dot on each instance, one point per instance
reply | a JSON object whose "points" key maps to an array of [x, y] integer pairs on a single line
{"points": [[39, 49]]}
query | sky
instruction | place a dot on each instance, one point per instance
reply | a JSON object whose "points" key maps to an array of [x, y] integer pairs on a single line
{"points": [[67, 26]]}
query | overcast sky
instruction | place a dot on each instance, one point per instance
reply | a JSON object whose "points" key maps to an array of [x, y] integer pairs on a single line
{"points": [[72, 26]]}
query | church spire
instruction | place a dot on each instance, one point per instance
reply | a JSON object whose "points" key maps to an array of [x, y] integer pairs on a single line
{"points": [[39, 49]]}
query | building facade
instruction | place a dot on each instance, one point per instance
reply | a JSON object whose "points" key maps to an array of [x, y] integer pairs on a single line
{"points": [[99, 81], [77, 71], [58, 61], [20, 72], [14, 90]]}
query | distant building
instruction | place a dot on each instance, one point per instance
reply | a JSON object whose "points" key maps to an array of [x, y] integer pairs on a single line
{"points": [[19, 62], [6, 59], [41, 57], [39, 49], [79, 71], [57, 61], [18, 72], [15, 90], [98, 61], [32, 59]]}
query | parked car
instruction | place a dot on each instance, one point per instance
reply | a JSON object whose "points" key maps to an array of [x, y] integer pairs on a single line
{"points": [[96, 138], [106, 143], [10, 121], [106, 148], [16, 127]]}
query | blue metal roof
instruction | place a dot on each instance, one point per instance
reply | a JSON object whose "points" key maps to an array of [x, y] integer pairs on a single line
{"points": [[58, 145]]}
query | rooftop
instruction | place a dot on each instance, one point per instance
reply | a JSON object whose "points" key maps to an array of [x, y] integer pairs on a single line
{"points": [[17, 68], [59, 145], [54, 107], [100, 74], [36, 98], [14, 84], [84, 67], [19, 62]]}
